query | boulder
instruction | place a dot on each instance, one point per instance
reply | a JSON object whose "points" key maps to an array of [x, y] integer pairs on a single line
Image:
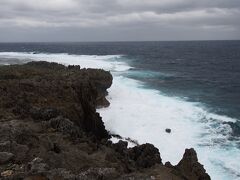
{"points": [[168, 130]]}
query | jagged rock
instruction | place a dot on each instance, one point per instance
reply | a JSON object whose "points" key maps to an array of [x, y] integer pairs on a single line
{"points": [[5, 157], [48, 113], [43, 91], [168, 164], [121, 146], [133, 141], [190, 167], [93, 122], [145, 155], [46, 65], [102, 102], [74, 67]]}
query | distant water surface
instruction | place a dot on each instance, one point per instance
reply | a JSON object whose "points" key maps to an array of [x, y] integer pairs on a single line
{"points": [[197, 74]]}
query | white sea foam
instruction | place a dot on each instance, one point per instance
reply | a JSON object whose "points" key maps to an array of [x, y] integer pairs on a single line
{"points": [[109, 62], [144, 114]]}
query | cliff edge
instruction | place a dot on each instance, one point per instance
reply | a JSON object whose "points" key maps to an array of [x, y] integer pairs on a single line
{"points": [[50, 129]]}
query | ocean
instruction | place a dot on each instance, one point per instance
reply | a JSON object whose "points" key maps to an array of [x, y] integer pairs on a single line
{"points": [[191, 87]]}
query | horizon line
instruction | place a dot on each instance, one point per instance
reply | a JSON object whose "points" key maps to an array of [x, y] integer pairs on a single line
{"points": [[117, 41]]}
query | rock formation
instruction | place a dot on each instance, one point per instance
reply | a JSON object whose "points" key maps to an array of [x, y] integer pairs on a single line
{"points": [[190, 167], [50, 129]]}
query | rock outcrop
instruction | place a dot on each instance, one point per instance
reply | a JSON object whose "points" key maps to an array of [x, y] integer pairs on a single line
{"points": [[50, 129], [190, 167]]}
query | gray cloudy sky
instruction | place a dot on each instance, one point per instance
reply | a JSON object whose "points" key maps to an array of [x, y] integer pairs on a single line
{"points": [[120, 20]]}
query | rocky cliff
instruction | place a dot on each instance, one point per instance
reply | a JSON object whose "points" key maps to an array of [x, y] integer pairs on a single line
{"points": [[50, 129]]}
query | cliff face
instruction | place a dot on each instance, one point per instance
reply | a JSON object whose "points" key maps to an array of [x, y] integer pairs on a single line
{"points": [[50, 129]]}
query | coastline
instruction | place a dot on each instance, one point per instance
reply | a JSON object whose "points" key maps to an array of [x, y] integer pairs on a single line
{"points": [[83, 134]]}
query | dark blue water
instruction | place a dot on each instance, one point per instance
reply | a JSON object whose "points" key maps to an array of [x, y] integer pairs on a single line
{"points": [[206, 72], [199, 71]]}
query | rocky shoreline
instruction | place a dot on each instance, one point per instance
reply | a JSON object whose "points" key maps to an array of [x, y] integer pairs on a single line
{"points": [[50, 129]]}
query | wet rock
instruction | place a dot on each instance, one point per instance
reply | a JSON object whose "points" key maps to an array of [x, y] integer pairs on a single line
{"points": [[5, 157], [190, 167], [117, 136], [168, 130], [133, 141], [102, 102]]}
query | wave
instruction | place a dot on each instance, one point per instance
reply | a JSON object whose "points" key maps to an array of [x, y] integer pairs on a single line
{"points": [[107, 62], [144, 114]]}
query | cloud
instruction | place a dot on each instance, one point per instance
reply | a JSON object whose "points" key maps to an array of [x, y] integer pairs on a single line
{"points": [[127, 15]]}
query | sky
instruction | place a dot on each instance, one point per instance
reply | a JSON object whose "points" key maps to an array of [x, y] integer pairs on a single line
{"points": [[118, 20]]}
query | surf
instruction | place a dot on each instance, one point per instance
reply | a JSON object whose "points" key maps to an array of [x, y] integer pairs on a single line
{"points": [[143, 114]]}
